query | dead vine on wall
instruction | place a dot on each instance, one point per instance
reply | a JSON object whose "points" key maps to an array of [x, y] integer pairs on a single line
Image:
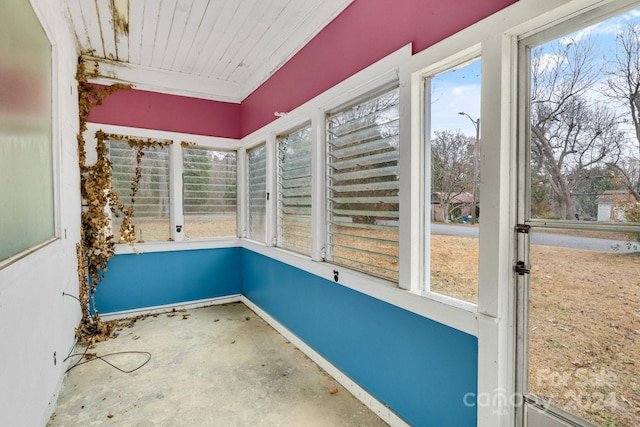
{"points": [[97, 246]]}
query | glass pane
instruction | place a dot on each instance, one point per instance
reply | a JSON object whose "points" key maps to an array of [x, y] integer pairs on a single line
{"points": [[584, 324], [363, 186], [257, 193], [584, 331], [585, 133], [454, 215], [209, 193], [26, 159], [151, 201], [294, 201]]}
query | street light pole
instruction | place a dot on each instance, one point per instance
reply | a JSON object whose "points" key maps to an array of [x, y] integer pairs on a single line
{"points": [[476, 124]]}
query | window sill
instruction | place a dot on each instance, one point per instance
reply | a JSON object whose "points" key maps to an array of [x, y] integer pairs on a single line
{"points": [[184, 245]]}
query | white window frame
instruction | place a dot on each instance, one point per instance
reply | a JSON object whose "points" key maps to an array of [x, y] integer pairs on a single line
{"points": [[421, 130], [405, 294], [278, 182], [202, 147], [176, 217], [127, 200], [371, 94], [269, 186]]}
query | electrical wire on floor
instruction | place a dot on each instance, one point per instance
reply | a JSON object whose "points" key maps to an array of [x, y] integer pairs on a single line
{"points": [[82, 359]]}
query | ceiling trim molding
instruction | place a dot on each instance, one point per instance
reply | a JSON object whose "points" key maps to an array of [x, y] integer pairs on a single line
{"points": [[104, 71]]}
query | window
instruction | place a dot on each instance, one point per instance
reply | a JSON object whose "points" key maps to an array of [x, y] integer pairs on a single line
{"points": [[257, 165], [294, 191], [26, 156], [150, 196], [452, 135], [209, 193], [363, 204]]}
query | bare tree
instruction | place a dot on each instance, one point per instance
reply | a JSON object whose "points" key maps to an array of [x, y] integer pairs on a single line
{"points": [[451, 166], [623, 85], [570, 131]]}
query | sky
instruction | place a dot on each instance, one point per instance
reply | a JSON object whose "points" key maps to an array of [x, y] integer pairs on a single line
{"points": [[458, 90], [454, 91]]}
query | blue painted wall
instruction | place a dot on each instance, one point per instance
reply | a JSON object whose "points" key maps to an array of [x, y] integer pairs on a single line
{"points": [[420, 368], [157, 278]]}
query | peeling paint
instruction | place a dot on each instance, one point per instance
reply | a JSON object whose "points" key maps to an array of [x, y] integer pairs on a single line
{"points": [[120, 15]]}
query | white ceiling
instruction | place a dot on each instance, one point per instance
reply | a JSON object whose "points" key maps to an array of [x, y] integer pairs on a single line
{"points": [[212, 49]]}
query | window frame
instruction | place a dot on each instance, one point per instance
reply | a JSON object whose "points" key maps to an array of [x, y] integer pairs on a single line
{"points": [[268, 227], [420, 80], [127, 200], [365, 97], [189, 145], [176, 217], [279, 179]]}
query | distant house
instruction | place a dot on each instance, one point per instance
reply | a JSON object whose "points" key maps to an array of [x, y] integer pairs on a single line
{"points": [[611, 205], [448, 206]]}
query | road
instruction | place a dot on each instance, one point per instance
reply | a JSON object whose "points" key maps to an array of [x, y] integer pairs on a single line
{"points": [[547, 239]]}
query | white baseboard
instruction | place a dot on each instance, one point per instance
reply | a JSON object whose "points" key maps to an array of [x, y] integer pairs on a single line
{"points": [[168, 307], [361, 394]]}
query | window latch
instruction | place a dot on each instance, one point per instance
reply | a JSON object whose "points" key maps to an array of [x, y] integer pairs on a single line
{"points": [[523, 228], [521, 268]]}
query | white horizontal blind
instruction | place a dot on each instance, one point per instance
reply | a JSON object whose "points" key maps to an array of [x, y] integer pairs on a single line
{"points": [[294, 191], [363, 143], [209, 193], [257, 165], [151, 201]]}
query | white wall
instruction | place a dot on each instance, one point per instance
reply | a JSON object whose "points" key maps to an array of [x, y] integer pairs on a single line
{"points": [[36, 320]]}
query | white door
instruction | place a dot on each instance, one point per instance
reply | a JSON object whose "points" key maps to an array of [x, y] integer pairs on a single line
{"points": [[578, 278]]}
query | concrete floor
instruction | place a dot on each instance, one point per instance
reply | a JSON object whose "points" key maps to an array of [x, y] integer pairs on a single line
{"points": [[215, 366]]}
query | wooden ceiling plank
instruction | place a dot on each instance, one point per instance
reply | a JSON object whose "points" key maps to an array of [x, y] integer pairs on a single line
{"points": [[163, 29], [196, 15], [122, 40], [176, 32], [106, 28], [308, 27], [88, 16], [226, 29], [235, 56], [149, 25], [136, 19], [209, 34], [272, 50], [74, 14]]}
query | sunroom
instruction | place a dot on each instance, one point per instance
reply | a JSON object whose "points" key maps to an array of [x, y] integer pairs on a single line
{"points": [[159, 156]]}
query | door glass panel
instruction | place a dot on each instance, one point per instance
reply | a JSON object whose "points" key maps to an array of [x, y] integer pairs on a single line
{"points": [[585, 124], [584, 324], [584, 206]]}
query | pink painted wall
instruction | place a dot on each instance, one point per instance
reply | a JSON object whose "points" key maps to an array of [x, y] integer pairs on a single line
{"points": [[364, 33], [152, 110]]}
